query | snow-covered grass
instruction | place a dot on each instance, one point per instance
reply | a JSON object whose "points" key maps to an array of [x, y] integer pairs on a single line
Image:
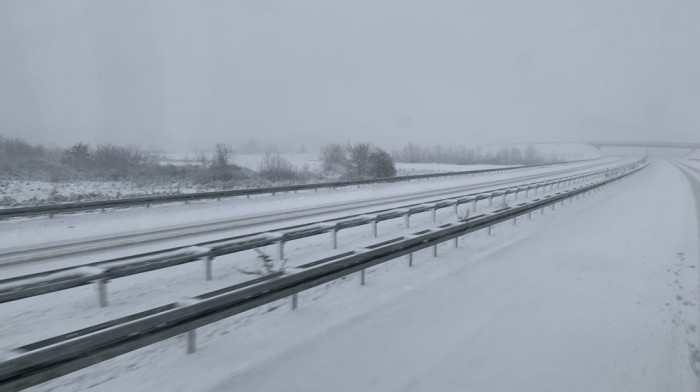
{"points": [[36, 231], [253, 161], [15, 193], [76, 308], [19, 193], [590, 297]]}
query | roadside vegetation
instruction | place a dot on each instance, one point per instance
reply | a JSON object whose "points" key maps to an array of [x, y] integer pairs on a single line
{"points": [[113, 171]]}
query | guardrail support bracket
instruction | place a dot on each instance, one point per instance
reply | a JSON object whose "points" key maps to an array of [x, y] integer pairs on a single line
{"points": [[191, 341], [207, 267], [280, 250], [102, 292], [334, 238]]}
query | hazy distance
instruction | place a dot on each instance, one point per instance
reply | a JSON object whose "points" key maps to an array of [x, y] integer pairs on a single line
{"points": [[181, 75]]}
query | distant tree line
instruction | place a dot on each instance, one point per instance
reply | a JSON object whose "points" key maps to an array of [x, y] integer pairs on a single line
{"points": [[461, 155], [20, 160]]}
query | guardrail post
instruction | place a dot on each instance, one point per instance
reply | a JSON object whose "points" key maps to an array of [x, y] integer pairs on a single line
{"points": [[456, 242], [457, 208], [474, 205], [407, 219], [505, 197], [515, 219], [489, 230], [102, 292], [434, 212], [362, 277], [334, 238], [207, 267], [516, 193], [191, 341], [491, 200], [435, 250], [529, 215], [280, 250], [374, 228], [410, 259], [295, 301]]}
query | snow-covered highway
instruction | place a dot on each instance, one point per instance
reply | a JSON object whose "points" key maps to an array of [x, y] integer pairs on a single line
{"points": [[530, 308], [615, 312], [73, 235]]}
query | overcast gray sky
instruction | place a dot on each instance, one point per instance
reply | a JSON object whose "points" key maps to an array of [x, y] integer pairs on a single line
{"points": [[187, 74]]}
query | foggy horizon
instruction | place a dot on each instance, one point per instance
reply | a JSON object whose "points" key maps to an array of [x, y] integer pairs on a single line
{"points": [[271, 195], [180, 76]]}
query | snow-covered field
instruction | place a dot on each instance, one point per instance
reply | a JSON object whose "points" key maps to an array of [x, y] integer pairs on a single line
{"points": [[16, 193], [529, 308], [617, 311], [313, 163], [33, 232]]}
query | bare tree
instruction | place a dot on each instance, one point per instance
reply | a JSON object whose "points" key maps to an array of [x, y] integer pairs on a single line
{"points": [[276, 168], [358, 160], [223, 155]]}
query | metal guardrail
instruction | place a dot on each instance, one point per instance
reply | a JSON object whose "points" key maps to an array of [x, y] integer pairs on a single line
{"points": [[41, 361], [101, 272], [148, 200]]}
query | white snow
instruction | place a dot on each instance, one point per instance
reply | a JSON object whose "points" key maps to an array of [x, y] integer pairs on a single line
{"points": [[588, 298], [21, 234]]}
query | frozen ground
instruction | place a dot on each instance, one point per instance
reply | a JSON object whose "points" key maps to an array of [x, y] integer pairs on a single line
{"points": [[312, 161], [75, 308], [422, 168], [592, 297], [17, 193], [20, 234]]}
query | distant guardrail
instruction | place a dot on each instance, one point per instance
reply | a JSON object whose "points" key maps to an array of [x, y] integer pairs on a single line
{"points": [[101, 272], [51, 358], [53, 209]]}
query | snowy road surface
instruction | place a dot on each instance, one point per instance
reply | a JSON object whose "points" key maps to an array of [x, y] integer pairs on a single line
{"points": [[606, 301], [600, 296], [34, 232]]}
